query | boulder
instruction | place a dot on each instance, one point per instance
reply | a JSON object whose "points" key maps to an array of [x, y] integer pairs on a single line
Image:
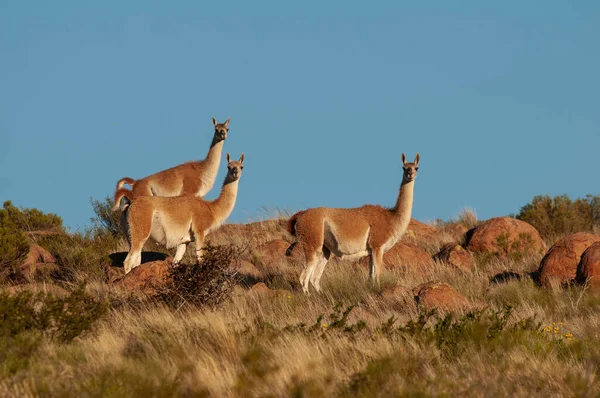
{"points": [[260, 289], [456, 256], [252, 234], [38, 261], [418, 231], [114, 274], [272, 258], [393, 292], [439, 295], [561, 261], [504, 235], [295, 251], [456, 229], [246, 269], [147, 278], [589, 267], [405, 256], [274, 249]]}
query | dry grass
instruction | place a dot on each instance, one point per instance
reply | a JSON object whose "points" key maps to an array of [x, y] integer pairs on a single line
{"points": [[290, 344]]}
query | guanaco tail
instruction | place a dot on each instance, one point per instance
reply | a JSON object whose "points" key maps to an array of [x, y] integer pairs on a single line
{"points": [[195, 177]]}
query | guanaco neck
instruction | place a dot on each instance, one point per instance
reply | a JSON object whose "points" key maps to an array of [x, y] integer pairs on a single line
{"points": [[209, 167], [223, 205], [404, 204], [213, 158]]}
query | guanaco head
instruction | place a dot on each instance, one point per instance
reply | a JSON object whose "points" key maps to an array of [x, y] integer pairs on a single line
{"points": [[410, 169], [221, 129], [234, 168]]}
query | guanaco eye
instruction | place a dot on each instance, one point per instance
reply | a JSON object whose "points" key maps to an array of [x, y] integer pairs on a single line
{"points": [[416, 169], [242, 167]]}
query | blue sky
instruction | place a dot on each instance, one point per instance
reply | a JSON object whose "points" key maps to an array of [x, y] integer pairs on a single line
{"points": [[500, 98]]}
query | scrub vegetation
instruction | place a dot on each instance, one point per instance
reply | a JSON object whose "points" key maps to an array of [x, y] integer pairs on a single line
{"points": [[71, 330]]}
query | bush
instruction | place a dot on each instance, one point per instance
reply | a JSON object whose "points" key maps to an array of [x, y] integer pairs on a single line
{"points": [[81, 256], [106, 220], [84, 255], [14, 248], [62, 318], [560, 215], [22, 219], [206, 284]]}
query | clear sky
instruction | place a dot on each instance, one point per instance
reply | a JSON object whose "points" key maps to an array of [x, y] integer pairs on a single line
{"points": [[501, 99]]}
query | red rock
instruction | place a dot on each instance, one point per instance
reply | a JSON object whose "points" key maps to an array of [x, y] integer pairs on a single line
{"points": [[404, 256], [393, 292], [147, 278], [38, 260], [589, 267], [246, 268], [260, 289], [457, 256], [37, 254], [252, 234], [439, 295], [274, 249], [561, 261], [272, 259], [418, 231], [295, 251], [114, 274], [504, 235], [456, 230]]}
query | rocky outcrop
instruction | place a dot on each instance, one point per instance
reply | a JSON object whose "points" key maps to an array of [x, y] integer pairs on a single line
{"points": [[439, 295], [405, 256], [147, 278], [456, 256], [246, 269], [38, 261], [588, 270], [559, 265], [503, 236]]}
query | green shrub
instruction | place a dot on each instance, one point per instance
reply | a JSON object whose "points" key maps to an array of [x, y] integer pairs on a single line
{"points": [[22, 219], [84, 255], [14, 248], [81, 256], [560, 215], [106, 221], [60, 318]]}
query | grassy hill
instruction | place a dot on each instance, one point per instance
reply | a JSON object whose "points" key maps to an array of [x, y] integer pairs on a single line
{"points": [[239, 324]]}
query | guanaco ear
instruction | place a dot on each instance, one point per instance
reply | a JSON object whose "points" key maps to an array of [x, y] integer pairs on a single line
{"points": [[214, 121], [417, 158], [242, 158], [227, 122], [403, 158], [227, 157]]}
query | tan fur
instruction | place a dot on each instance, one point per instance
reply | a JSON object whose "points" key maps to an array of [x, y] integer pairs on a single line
{"points": [[195, 178], [367, 230], [177, 221]]}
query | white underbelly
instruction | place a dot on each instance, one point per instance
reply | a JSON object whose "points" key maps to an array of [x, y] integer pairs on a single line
{"points": [[391, 242], [169, 234], [344, 247]]}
